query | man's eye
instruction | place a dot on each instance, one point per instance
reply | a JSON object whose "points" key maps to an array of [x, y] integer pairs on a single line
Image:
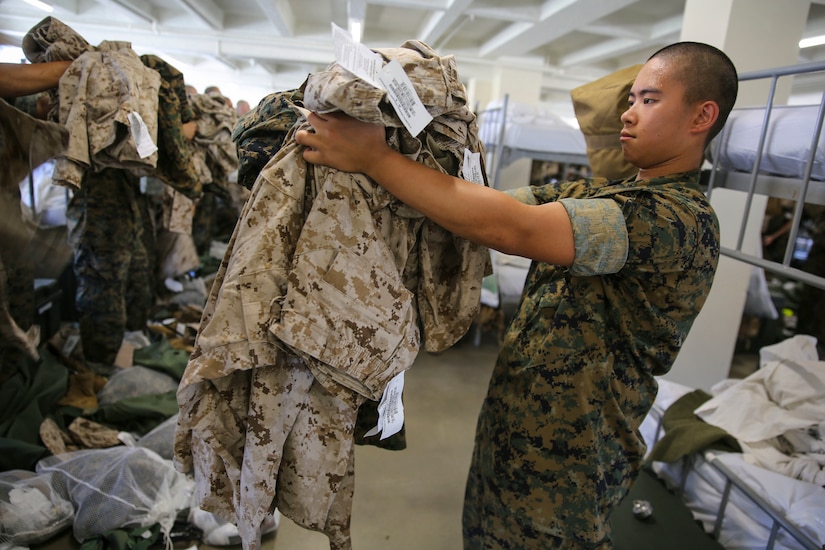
{"points": [[648, 100]]}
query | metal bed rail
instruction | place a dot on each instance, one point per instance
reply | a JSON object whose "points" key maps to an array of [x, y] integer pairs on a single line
{"points": [[492, 123], [779, 522], [802, 191], [502, 155]]}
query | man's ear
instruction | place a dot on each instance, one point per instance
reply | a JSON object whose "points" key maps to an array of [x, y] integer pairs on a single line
{"points": [[706, 114]]}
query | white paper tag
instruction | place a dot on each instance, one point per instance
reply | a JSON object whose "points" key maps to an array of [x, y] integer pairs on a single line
{"points": [[471, 169], [367, 65], [390, 409], [404, 98], [140, 133], [355, 57]]}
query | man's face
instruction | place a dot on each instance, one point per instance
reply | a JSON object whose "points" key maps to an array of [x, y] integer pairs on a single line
{"points": [[657, 120]]}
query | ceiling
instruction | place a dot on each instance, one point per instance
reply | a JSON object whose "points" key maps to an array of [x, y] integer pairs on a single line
{"points": [[252, 47]]}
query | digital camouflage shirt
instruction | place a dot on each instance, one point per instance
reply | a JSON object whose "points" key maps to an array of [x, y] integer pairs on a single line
{"points": [[557, 443]]}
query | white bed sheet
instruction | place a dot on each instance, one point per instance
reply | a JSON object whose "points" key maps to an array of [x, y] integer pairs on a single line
{"points": [[510, 272], [746, 526], [787, 144], [542, 138], [530, 128], [778, 413]]}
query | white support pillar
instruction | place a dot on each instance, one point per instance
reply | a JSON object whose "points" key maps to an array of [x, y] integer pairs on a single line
{"points": [[756, 34]]}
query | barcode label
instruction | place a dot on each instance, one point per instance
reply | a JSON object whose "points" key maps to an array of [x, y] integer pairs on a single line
{"points": [[471, 170], [404, 98], [367, 65]]}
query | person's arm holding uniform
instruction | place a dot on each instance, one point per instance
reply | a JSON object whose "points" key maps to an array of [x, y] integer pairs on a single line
{"points": [[475, 212], [19, 79]]}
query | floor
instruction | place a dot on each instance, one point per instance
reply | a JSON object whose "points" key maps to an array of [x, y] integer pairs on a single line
{"points": [[411, 499]]}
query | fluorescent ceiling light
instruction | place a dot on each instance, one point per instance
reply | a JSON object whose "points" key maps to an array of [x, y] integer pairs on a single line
{"points": [[38, 4], [812, 41]]}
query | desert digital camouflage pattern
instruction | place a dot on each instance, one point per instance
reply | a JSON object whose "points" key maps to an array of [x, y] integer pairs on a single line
{"points": [[260, 134], [328, 289], [95, 96], [53, 40], [213, 151], [103, 85], [557, 442], [177, 211]]}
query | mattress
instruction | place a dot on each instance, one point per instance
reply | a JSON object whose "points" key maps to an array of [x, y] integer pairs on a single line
{"points": [[746, 526], [787, 144], [530, 129]]}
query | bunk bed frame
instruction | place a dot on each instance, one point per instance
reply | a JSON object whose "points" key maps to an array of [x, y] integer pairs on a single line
{"points": [[501, 153], [800, 190], [734, 482]]}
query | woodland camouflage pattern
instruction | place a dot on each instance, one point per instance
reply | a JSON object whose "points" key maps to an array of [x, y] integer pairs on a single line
{"points": [[557, 442], [175, 165], [323, 267], [113, 260], [260, 133]]}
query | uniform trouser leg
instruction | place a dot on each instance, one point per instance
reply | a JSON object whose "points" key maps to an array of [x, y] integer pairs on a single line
{"points": [[110, 262]]}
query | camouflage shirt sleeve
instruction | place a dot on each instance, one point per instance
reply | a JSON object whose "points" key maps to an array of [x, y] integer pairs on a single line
{"points": [[523, 194], [600, 236], [599, 227]]}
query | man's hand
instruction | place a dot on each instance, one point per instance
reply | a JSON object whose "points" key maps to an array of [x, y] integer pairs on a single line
{"points": [[342, 142]]}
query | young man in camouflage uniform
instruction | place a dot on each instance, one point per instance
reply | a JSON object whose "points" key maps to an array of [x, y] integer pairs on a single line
{"points": [[620, 271]]}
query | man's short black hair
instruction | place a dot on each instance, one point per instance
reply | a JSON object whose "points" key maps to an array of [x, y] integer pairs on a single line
{"points": [[706, 73]]}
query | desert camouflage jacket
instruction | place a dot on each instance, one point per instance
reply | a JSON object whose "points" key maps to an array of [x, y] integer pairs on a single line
{"points": [[213, 151], [96, 95], [327, 290]]}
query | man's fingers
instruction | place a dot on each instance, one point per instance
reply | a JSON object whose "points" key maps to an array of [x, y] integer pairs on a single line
{"points": [[314, 118], [312, 156], [305, 137]]}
